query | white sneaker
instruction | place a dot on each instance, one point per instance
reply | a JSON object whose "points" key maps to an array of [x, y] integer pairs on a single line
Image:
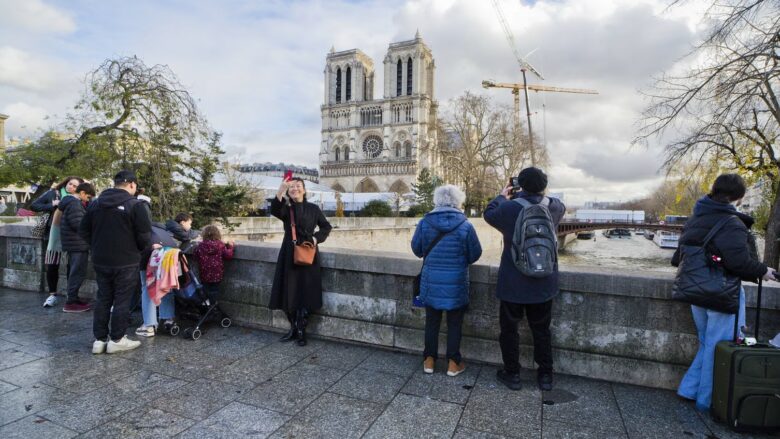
{"points": [[145, 331], [99, 347], [50, 301], [125, 344]]}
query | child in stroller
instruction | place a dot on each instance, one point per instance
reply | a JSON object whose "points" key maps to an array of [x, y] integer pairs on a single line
{"points": [[199, 300]]}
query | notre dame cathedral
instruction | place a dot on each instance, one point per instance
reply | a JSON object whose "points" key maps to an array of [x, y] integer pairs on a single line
{"points": [[378, 145]]}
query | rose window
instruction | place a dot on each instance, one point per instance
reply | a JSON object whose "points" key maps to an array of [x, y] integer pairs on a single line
{"points": [[372, 147]]}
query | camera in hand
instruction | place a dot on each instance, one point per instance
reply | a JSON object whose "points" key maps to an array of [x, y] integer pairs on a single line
{"points": [[515, 185]]}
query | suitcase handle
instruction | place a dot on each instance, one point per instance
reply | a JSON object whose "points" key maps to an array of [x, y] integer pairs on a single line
{"points": [[758, 312]]}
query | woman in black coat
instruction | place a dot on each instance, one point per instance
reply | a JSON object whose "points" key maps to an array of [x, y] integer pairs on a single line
{"points": [[732, 247], [297, 289]]}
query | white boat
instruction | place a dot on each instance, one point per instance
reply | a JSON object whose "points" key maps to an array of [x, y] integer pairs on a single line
{"points": [[666, 238]]}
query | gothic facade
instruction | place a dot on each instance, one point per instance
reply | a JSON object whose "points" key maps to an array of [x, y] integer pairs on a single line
{"points": [[378, 145]]}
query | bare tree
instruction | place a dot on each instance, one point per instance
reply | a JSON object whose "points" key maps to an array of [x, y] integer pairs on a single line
{"points": [[479, 147], [724, 109]]}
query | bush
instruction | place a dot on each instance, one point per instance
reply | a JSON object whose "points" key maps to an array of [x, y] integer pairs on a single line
{"points": [[376, 208], [416, 210]]}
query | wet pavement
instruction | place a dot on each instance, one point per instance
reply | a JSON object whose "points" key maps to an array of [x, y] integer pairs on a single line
{"points": [[240, 382]]}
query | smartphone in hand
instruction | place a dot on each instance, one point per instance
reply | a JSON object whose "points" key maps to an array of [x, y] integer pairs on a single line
{"points": [[287, 175]]}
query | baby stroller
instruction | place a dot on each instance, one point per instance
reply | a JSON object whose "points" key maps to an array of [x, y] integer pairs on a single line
{"points": [[193, 304]]}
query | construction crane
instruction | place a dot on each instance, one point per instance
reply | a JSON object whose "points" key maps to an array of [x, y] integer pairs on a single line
{"points": [[524, 66]]}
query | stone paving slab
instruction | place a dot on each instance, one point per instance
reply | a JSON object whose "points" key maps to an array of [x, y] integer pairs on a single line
{"points": [[241, 382]]}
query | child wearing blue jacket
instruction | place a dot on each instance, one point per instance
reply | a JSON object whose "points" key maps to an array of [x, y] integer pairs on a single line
{"points": [[444, 285]]}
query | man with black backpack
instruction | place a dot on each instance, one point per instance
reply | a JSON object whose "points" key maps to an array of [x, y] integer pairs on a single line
{"points": [[118, 228], [528, 274]]}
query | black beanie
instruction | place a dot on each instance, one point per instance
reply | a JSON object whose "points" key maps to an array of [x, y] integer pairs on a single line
{"points": [[532, 180]]}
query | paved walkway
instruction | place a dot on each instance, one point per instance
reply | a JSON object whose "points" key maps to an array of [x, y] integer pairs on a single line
{"points": [[238, 382]]}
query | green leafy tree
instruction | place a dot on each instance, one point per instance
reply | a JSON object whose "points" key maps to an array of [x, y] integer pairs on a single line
{"points": [[376, 208], [423, 190], [129, 116]]}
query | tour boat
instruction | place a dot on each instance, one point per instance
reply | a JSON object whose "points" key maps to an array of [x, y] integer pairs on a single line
{"points": [[617, 233], [666, 238]]}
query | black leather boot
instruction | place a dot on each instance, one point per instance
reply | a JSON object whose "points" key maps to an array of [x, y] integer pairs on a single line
{"points": [[300, 324], [292, 334]]}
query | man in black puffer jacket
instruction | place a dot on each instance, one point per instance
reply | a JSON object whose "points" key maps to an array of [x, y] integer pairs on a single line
{"points": [[73, 209], [118, 228]]}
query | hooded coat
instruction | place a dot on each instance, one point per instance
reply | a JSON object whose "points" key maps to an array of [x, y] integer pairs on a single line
{"points": [[73, 211], [298, 286], [732, 243], [118, 228], [512, 285], [181, 235], [444, 283], [211, 255]]}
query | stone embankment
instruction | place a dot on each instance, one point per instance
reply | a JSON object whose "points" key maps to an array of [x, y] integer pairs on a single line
{"points": [[622, 327]]}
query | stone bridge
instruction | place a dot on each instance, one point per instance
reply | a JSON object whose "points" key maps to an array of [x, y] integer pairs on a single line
{"points": [[568, 227], [616, 326]]}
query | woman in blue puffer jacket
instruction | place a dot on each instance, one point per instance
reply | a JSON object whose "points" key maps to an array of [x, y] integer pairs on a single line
{"points": [[444, 285]]}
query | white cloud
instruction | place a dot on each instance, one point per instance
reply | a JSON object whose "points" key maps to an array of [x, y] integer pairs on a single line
{"points": [[27, 71], [35, 16], [24, 120], [256, 67]]}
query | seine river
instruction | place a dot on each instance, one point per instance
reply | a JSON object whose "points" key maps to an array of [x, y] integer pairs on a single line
{"points": [[634, 253]]}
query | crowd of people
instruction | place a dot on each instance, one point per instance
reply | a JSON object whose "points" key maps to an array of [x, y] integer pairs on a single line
{"points": [[117, 230]]}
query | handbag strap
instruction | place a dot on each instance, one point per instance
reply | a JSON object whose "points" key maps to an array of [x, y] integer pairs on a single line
{"points": [[715, 229], [292, 225]]}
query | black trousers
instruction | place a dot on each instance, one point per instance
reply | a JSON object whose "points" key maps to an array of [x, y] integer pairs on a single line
{"points": [[52, 276], [115, 288], [539, 317], [454, 332], [77, 272]]}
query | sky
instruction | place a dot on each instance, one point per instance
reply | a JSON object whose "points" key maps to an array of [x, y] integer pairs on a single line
{"points": [[256, 68]]}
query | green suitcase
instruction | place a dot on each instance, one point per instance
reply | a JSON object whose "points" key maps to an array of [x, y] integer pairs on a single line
{"points": [[746, 383]]}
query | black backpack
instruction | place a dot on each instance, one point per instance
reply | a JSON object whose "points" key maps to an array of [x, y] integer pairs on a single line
{"points": [[534, 241]]}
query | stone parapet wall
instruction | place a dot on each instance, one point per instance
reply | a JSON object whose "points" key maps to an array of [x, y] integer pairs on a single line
{"points": [[620, 327]]}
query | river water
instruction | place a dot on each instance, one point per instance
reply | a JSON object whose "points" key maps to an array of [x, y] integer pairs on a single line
{"points": [[635, 253], [631, 254]]}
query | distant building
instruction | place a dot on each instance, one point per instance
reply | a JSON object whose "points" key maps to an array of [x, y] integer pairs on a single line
{"points": [[278, 170], [378, 145], [754, 196], [3, 118]]}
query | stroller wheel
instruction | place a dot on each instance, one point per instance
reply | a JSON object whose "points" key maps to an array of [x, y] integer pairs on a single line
{"points": [[174, 330], [226, 322], [196, 334]]}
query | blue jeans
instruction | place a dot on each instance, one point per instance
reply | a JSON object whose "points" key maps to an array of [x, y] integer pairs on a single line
{"points": [[167, 305], [712, 327]]}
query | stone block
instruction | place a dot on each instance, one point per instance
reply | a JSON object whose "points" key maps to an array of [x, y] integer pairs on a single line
{"points": [[355, 330], [354, 307], [21, 279], [246, 313]]}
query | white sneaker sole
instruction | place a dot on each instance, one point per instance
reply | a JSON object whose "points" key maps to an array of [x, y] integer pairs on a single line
{"points": [[427, 370], [454, 374], [116, 350], [98, 349]]}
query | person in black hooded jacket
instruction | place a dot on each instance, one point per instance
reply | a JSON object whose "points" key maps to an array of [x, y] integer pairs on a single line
{"points": [[118, 228], [732, 244], [181, 228], [73, 209]]}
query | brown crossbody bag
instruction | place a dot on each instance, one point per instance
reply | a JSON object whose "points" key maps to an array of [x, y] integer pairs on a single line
{"points": [[303, 253]]}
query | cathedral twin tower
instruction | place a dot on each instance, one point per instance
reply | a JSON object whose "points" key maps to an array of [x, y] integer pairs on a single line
{"points": [[378, 145]]}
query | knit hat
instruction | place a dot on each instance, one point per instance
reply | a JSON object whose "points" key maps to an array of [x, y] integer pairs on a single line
{"points": [[532, 180]]}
